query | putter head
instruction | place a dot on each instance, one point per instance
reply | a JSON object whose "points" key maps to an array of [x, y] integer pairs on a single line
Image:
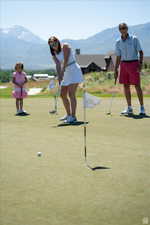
{"points": [[109, 113], [53, 112]]}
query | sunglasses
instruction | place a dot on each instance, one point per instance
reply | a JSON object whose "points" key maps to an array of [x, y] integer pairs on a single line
{"points": [[53, 44], [122, 28]]}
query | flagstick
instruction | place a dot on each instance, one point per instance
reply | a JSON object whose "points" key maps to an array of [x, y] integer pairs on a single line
{"points": [[84, 128], [85, 142]]}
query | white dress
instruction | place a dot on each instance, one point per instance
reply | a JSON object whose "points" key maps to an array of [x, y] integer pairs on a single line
{"points": [[73, 73]]}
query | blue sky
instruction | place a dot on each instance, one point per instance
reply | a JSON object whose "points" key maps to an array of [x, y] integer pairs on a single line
{"points": [[73, 19]]}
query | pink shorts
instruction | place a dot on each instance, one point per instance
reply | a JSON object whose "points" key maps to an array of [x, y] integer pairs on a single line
{"points": [[129, 73], [18, 94]]}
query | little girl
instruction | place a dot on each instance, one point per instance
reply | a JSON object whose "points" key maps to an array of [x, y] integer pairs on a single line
{"points": [[19, 80]]}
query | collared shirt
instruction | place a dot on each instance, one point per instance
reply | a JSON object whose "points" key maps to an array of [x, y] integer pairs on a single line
{"points": [[128, 49]]}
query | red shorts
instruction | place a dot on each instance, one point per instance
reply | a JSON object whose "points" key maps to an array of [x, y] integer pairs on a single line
{"points": [[129, 73]]}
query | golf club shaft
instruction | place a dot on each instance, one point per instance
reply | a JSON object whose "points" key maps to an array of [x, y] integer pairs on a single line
{"points": [[55, 101], [111, 101], [21, 92]]}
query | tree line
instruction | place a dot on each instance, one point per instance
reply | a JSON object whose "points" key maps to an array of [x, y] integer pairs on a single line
{"points": [[6, 75]]}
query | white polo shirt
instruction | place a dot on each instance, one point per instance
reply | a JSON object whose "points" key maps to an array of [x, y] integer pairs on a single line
{"points": [[128, 49]]}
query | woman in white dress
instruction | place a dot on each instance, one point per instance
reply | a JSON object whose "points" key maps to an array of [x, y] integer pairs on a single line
{"points": [[69, 76]]}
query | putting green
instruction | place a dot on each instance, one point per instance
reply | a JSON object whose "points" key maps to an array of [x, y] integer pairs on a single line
{"points": [[57, 188]]}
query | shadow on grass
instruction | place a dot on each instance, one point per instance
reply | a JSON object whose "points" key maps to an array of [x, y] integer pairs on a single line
{"points": [[137, 116], [77, 123], [22, 114], [96, 167], [100, 168]]}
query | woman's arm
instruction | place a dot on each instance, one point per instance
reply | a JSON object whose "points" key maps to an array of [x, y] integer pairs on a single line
{"points": [[66, 50], [58, 69], [58, 65]]}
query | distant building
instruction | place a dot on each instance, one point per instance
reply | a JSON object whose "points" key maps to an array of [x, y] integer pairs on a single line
{"points": [[42, 77], [97, 63], [94, 63], [29, 77]]}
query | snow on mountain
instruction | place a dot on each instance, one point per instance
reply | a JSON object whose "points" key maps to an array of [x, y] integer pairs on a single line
{"points": [[21, 33], [19, 44]]}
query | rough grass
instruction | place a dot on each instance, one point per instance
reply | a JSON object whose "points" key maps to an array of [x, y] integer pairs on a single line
{"points": [[57, 188], [100, 84]]}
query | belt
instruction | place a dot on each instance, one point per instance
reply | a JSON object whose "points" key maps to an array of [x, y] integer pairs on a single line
{"points": [[69, 64], [129, 61]]}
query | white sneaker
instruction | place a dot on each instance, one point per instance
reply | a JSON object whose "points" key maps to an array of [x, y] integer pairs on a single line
{"points": [[70, 119], [18, 112], [24, 112], [127, 111], [63, 118], [142, 110]]}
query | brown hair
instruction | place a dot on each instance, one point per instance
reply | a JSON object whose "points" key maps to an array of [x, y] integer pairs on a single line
{"points": [[122, 24], [53, 38], [19, 64]]}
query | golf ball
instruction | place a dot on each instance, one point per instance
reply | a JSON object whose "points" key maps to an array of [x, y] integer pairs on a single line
{"points": [[39, 154]]}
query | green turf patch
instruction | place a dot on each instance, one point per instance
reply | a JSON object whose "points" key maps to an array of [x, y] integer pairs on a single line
{"points": [[57, 188]]}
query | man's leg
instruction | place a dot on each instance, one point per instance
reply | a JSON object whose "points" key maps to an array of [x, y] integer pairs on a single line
{"points": [[139, 94], [127, 93], [140, 97]]}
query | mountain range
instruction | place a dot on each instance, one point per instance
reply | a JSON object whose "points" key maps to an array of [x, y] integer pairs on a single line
{"points": [[20, 44]]}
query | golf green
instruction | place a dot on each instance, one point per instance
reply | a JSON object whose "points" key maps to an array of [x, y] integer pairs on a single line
{"points": [[57, 188]]}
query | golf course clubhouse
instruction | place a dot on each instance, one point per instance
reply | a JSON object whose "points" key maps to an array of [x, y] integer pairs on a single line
{"points": [[94, 63]]}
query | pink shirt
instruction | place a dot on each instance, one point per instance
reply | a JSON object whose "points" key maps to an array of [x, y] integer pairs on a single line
{"points": [[19, 78]]}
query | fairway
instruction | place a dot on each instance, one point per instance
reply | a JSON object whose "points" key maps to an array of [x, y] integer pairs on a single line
{"points": [[57, 188]]}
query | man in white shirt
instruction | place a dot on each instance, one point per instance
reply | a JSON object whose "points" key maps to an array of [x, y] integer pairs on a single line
{"points": [[129, 56]]}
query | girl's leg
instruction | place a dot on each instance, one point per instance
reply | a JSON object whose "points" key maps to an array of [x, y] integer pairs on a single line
{"points": [[21, 104], [72, 95], [17, 104], [63, 94]]}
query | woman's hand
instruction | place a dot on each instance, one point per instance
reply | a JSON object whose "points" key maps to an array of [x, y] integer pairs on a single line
{"points": [[63, 70], [60, 78]]}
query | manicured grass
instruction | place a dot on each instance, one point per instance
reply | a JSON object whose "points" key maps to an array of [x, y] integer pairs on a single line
{"points": [[57, 188]]}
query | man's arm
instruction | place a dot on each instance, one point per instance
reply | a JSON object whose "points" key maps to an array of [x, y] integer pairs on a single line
{"points": [[117, 63], [140, 59]]}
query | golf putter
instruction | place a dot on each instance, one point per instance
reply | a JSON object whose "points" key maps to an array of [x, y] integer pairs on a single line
{"points": [[55, 106], [55, 111], [21, 91], [110, 106]]}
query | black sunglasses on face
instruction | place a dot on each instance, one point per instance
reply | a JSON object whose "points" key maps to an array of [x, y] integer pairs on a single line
{"points": [[122, 28], [53, 44]]}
